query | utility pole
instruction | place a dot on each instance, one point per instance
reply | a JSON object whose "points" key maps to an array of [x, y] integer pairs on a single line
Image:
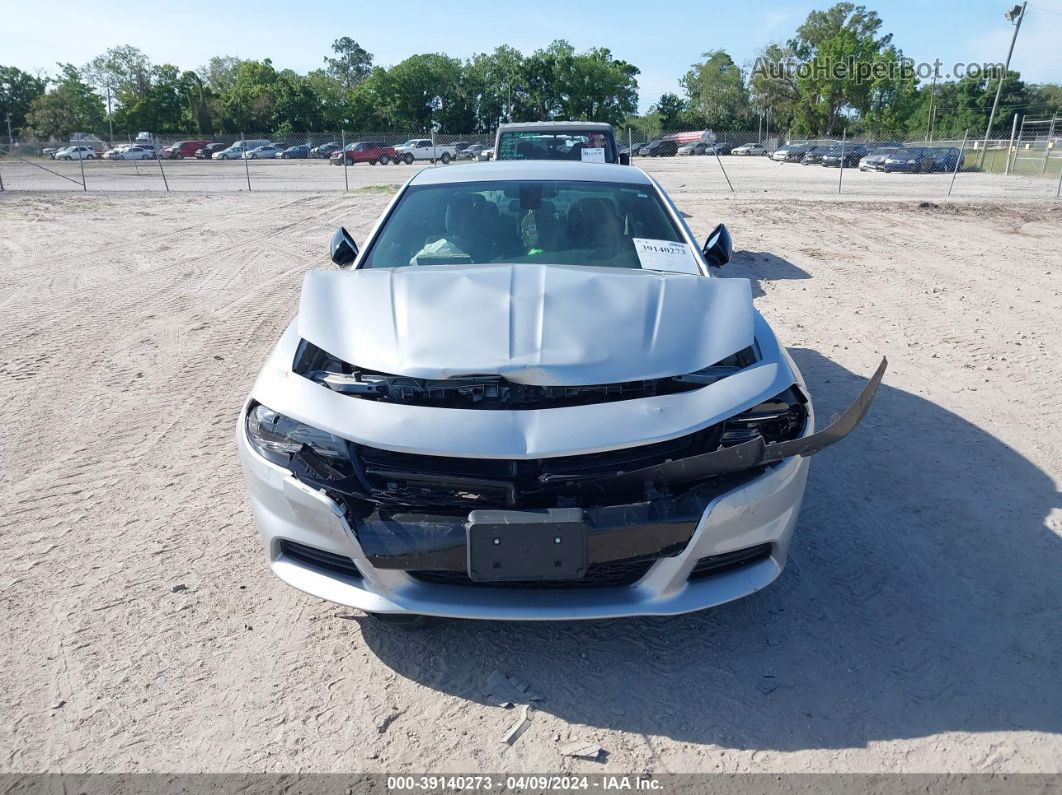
{"points": [[1016, 13], [110, 121], [932, 106]]}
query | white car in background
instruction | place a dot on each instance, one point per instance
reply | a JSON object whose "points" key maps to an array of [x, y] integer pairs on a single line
{"points": [[446, 430], [424, 149], [134, 153], [76, 153], [749, 149]]}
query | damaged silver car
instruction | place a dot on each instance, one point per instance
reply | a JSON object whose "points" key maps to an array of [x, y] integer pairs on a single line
{"points": [[527, 397]]}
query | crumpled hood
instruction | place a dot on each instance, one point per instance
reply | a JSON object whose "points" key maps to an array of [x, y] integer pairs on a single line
{"points": [[551, 325]]}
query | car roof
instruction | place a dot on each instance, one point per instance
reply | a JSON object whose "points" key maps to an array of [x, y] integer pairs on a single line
{"points": [[532, 169], [531, 126]]}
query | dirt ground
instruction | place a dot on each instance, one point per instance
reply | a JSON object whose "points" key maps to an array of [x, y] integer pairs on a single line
{"points": [[917, 627]]}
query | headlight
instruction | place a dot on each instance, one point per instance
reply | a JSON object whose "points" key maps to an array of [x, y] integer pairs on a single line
{"points": [[278, 437]]}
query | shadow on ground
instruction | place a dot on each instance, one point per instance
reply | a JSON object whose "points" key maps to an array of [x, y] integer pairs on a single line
{"points": [[761, 266], [922, 595]]}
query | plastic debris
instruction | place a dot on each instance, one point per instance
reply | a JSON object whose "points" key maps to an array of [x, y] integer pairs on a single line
{"points": [[520, 726], [581, 749]]}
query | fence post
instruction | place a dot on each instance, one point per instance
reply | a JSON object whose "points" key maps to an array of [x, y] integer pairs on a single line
{"points": [[1010, 146], [715, 151], [158, 159], [1047, 144], [840, 175], [1, 182], [81, 160], [959, 159], [343, 154], [246, 162]]}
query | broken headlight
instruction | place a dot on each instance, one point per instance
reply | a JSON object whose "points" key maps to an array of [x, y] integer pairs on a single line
{"points": [[278, 437], [776, 420]]}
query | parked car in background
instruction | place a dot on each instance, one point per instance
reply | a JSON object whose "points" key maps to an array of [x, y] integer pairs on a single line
{"points": [[112, 154], [208, 151], [813, 156], [77, 153], [790, 153], [470, 152], [874, 160], [698, 148], [423, 149], [853, 153], [267, 151], [237, 150], [135, 153], [723, 148], [181, 149], [486, 155], [460, 146], [945, 158], [912, 160], [746, 150], [661, 148], [297, 152], [371, 152], [324, 151], [580, 141]]}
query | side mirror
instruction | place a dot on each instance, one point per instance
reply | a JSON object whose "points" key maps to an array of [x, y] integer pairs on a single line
{"points": [[718, 248], [624, 159], [343, 248]]}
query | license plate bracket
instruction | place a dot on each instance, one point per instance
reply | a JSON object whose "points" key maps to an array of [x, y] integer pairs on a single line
{"points": [[521, 546]]}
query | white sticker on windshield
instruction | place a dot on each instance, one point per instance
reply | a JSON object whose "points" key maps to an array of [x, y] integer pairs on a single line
{"points": [[593, 154], [664, 255]]}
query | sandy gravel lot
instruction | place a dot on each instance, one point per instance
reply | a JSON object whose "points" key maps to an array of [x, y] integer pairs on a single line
{"points": [[918, 626]]}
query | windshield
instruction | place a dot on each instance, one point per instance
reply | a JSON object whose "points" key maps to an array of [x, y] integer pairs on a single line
{"points": [[568, 145], [555, 223]]}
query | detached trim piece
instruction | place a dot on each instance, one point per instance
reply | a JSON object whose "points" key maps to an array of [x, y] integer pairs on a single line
{"points": [[742, 456]]}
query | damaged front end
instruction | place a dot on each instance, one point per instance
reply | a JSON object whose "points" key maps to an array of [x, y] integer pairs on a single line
{"points": [[619, 510]]}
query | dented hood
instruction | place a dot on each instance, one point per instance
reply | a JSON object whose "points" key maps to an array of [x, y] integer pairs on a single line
{"points": [[551, 325]]}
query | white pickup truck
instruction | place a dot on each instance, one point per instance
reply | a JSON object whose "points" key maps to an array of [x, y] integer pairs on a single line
{"points": [[423, 149]]}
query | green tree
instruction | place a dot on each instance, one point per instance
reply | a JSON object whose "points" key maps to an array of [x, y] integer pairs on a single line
{"points": [[352, 65], [18, 90], [670, 111], [717, 92], [71, 106]]}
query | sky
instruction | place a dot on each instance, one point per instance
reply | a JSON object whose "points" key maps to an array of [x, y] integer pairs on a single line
{"points": [[662, 38]]}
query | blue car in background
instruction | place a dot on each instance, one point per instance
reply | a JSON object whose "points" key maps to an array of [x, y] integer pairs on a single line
{"points": [[297, 152], [945, 158]]}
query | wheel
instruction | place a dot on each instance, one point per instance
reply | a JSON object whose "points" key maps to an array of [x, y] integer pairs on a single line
{"points": [[372, 162], [91, 157], [445, 158], [408, 159], [384, 160], [403, 621], [254, 156]]}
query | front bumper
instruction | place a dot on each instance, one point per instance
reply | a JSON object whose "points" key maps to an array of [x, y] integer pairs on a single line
{"points": [[762, 511]]}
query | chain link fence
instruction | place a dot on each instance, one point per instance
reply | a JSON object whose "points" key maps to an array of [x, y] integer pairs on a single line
{"points": [[754, 161]]}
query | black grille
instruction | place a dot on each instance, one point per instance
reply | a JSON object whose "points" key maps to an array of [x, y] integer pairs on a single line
{"points": [[728, 561], [598, 575], [319, 559]]}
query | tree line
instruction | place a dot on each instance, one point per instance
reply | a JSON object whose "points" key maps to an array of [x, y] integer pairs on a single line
{"points": [[122, 91]]}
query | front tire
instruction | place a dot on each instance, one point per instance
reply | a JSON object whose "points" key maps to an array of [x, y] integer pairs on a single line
{"points": [[408, 159], [445, 158], [384, 160]]}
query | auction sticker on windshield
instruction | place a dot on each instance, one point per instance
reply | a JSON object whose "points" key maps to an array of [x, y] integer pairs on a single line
{"points": [[665, 255], [593, 154]]}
